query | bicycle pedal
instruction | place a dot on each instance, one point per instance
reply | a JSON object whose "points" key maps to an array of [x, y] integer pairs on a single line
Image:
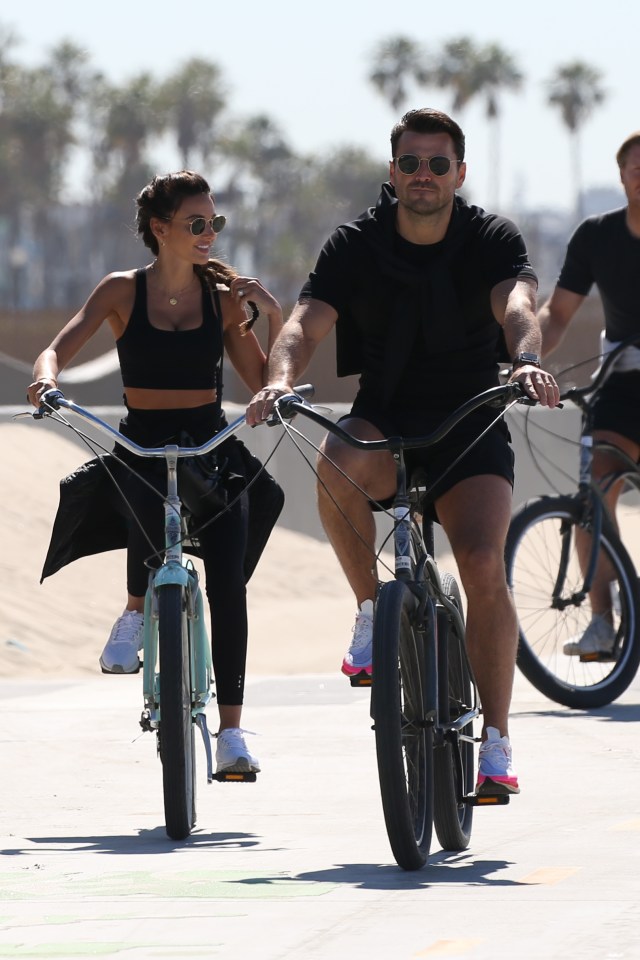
{"points": [[235, 776], [487, 799], [362, 679], [598, 657]]}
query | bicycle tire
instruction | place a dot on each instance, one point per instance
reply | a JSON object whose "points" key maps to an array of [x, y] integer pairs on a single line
{"points": [[532, 556], [454, 758], [404, 741], [176, 734]]}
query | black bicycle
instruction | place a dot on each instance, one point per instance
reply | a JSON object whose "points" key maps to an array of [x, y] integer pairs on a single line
{"points": [[423, 695], [551, 583]]}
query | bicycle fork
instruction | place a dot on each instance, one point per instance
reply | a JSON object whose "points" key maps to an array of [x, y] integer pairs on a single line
{"points": [[593, 516]]}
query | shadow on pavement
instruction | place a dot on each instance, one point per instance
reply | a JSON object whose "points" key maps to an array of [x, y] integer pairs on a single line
{"points": [[442, 868], [144, 842]]}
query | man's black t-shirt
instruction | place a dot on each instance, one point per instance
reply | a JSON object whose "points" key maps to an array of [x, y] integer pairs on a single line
{"points": [[604, 252], [415, 321]]}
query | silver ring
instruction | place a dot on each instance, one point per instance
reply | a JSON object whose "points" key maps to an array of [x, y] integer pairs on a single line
{"points": [[241, 293]]}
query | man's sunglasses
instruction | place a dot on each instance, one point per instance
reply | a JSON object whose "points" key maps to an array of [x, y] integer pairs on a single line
{"points": [[408, 163], [198, 225]]}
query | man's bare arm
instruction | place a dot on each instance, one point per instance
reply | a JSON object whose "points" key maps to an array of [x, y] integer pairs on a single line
{"points": [[309, 323], [514, 307], [555, 315]]}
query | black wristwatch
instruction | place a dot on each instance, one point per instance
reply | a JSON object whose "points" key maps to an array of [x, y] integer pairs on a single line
{"points": [[524, 358]]}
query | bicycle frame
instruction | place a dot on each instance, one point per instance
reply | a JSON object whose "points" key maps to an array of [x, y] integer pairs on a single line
{"points": [[590, 493], [426, 573]]}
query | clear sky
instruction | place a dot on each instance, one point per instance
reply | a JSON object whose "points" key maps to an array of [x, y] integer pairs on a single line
{"points": [[306, 66]]}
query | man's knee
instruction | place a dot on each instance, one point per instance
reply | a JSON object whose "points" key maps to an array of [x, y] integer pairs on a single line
{"points": [[481, 567]]}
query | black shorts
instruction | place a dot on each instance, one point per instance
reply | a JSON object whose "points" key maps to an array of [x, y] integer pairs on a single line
{"points": [[616, 405], [454, 458]]}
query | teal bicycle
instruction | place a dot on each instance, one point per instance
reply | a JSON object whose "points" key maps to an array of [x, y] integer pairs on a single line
{"points": [[176, 654]]}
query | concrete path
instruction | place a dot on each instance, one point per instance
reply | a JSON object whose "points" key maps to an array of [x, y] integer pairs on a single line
{"points": [[298, 864]]}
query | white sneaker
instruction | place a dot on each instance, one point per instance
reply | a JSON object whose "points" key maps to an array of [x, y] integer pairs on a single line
{"points": [[232, 755], [597, 640], [358, 657], [121, 652]]}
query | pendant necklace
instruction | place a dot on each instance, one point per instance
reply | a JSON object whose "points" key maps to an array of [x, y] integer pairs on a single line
{"points": [[175, 297]]}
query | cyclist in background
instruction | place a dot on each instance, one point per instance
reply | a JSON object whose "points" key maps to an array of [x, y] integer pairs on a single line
{"points": [[605, 250], [420, 290], [171, 322]]}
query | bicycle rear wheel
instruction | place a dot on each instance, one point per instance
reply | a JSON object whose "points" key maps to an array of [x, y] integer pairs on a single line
{"points": [[542, 561], [454, 758], [176, 733], [404, 741]]}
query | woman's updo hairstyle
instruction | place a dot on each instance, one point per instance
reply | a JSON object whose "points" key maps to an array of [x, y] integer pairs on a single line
{"points": [[161, 198]]}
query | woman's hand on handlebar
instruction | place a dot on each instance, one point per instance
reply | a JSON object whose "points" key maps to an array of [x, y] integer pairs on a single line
{"points": [[263, 402], [38, 387], [538, 384]]}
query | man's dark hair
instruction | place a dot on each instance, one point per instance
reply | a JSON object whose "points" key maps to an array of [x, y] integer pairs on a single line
{"points": [[632, 141], [427, 120]]}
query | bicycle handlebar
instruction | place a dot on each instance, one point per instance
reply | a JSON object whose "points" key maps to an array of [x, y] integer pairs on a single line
{"points": [[54, 399], [290, 404], [577, 393]]}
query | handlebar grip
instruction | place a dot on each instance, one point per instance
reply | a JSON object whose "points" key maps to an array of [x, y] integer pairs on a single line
{"points": [[284, 403], [305, 390], [48, 401]]}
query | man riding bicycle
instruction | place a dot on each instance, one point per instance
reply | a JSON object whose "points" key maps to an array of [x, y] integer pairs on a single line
{"points": [[420, 290], [604, 250]]}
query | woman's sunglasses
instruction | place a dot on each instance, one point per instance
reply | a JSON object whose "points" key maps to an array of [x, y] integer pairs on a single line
{"points": [[408, 163], [198, 225]]}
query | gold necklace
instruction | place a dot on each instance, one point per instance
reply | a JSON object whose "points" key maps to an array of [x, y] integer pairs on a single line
{"points": [[175, 297]]}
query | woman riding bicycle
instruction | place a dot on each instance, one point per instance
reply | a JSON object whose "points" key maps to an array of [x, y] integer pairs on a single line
{"points": [[171, 321]]}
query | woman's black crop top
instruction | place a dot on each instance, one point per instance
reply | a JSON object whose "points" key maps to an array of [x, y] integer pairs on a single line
{"points": [[171, 359]]}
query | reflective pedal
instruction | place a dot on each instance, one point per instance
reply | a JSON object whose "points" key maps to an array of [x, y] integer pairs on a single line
{"points": [[235, 776], [598, 657], [362, 679], [487, 799]]}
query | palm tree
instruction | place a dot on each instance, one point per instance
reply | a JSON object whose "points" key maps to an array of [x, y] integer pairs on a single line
{"points": [[127, 121], [471, 72], [575, 89], [259, 160], [495, 72], [397, 61], [457, 71], [128, 117], [194, 98]]}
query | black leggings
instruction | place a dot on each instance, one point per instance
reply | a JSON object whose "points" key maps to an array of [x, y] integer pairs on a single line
{"points": [[222, 543]]}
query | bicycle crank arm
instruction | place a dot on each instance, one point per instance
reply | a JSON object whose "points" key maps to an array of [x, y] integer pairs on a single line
{"points": [[201, 721]]}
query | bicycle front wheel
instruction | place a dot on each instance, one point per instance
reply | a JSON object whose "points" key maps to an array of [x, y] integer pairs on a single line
{"points": [[176, 733], [404, 741], [453, 759], [545, 577]]}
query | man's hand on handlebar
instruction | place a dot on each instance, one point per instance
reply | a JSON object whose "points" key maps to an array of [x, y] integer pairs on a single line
{"points": [[262, 404], [537, 384]]}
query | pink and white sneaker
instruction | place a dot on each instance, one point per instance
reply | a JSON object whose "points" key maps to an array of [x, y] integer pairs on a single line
{"points": [[495, 773], [358, 657]]}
